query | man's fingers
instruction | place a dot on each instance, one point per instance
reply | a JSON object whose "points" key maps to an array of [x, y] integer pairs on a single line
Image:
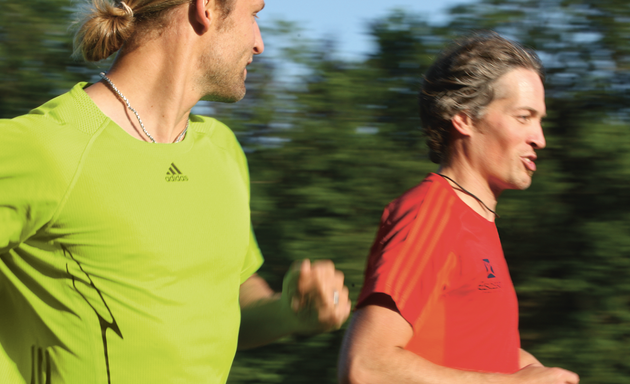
{"points": [[319, 293], [342, 309], [305, 277], [316, 278], [305, 266], [573, 378], [295, 304], [547, 375], [333, 314], [566, 377]]}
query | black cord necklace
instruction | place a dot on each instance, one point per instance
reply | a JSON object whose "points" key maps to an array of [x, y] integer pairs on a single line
{"points": [[476, 198]]}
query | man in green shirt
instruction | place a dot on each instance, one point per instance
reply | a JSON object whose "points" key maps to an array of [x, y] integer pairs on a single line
{"points": [[126, 249]]}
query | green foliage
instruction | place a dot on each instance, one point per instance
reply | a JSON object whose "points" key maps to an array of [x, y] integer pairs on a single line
{"points": [[35, 48], [355, 144]]}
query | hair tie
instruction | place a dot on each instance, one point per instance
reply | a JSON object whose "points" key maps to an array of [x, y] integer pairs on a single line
{"points": [[127, 8]]}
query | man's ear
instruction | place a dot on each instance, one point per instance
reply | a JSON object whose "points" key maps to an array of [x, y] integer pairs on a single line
{"points": [[204, 14], [463, 123]]}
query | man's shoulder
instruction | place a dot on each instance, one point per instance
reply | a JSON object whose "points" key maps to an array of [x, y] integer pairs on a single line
{"points": [[50, 140], [220, 134], [415, 197], [72, 110]]}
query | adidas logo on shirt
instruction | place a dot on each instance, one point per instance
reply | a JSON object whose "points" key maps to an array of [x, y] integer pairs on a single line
{"points": [[174, 174]]}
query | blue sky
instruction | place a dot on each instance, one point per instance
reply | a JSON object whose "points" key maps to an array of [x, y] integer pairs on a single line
{"points": [[346, 19]]}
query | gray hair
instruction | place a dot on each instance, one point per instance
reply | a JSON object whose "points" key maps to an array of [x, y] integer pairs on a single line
{"points": [[462, 80]]}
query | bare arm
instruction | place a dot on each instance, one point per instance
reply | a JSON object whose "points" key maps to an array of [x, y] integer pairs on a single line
{"points": [[258, 301], [525, 358], [305, 306], [373, 352]]}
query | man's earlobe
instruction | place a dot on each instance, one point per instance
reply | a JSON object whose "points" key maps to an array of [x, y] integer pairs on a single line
{"points": [[463, 123], [203, 15]]}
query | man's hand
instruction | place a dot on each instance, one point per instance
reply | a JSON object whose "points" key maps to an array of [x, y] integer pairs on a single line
{"points": [[315, 296], [537, 374], [313, 300]]}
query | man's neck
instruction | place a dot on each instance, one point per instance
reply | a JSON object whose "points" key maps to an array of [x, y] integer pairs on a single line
{"points": [[473, 189], [156, 78]]}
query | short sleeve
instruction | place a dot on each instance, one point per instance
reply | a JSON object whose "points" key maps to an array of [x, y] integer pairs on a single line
{"points": [[30, 189], [253, 258], [408, 261]]}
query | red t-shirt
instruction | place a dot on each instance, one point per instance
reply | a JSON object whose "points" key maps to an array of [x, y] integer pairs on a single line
{"points": [[443, 265]]}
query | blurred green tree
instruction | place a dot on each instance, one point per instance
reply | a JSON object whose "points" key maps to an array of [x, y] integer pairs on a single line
{"points": [[354, 144], [35, 49]]}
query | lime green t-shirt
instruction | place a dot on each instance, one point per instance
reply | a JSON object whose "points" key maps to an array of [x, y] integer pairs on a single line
{"points": [[120, 260]]}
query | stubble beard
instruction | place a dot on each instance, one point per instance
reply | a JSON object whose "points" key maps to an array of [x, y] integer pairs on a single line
{"points": [[523, 182], [516, 179], [220, 83]]}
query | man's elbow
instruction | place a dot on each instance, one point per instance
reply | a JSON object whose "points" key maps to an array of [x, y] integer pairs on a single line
{"points": [[355, 371]]}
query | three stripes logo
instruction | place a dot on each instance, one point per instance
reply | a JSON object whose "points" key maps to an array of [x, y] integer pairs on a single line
{"points": [[174, 174]]}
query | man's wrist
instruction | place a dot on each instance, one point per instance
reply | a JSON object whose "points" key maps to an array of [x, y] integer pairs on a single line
{"points": [[294, 323]]}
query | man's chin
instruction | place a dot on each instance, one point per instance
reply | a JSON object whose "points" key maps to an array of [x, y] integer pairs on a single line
{"points": [[521, 183], [223, 98], [525, 182], [227, 94]]}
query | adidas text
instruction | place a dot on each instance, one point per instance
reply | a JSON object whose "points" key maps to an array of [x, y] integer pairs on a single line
{"points": [[176, 178]]}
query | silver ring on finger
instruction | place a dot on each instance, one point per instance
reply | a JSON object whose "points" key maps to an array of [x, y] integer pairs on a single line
{"points": [[336, 297]]}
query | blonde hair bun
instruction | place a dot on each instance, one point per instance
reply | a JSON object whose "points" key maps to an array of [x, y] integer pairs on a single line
{"points": [[104, 30]]}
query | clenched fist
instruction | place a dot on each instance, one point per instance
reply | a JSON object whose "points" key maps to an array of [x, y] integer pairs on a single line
{"points": [[315, 294]]}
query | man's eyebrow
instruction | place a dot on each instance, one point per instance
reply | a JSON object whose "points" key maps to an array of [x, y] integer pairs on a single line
{"points": [[533, 111]]}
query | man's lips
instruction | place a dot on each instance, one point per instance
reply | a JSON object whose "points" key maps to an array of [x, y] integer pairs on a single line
{"points": [[529, 162], [248, 63]]}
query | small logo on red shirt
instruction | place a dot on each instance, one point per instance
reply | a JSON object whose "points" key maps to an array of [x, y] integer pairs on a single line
{"points": [[489, 269], [487, 285]]}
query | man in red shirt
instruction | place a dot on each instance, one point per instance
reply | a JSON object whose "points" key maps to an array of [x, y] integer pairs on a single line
{"points": [[438, 304]]}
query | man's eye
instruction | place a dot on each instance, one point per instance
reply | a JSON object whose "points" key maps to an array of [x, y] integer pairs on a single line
{"points": [[523, 118]]}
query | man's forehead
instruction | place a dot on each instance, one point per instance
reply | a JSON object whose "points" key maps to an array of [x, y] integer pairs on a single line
{"points": [[523, 88], [258, 4]]}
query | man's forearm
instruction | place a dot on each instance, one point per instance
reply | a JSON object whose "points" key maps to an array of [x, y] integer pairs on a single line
{"points": [[264, 321], [373, 353], [403, 367], [313, 300], [263, 317]]}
